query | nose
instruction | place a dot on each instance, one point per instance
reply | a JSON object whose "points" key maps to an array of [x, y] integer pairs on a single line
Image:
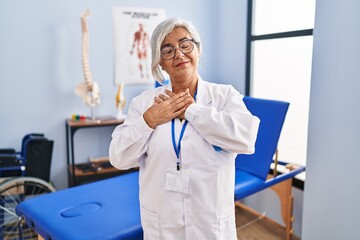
{"points": [[178, 53]]}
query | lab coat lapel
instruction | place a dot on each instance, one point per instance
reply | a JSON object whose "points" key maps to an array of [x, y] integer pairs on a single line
{"points": [[202, 98]]}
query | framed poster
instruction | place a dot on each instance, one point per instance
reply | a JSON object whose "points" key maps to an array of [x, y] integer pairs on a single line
{"points": [[132, 33]]}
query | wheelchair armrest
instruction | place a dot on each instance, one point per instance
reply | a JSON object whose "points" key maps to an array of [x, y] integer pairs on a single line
{"points": [[8, 151]]}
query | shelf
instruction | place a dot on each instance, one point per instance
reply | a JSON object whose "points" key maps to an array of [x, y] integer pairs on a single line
{"points": [[98, 173], [93, 123], [75, 175], [97, 170]]}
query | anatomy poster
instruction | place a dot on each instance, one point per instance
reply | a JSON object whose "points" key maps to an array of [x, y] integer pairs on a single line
{"points": [[132, 33]]}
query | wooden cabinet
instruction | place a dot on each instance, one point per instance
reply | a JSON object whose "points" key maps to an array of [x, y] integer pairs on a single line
{"points": [[80, 173]]}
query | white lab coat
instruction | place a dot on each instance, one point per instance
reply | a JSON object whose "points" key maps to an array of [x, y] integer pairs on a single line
{"points": [[204, 207]]}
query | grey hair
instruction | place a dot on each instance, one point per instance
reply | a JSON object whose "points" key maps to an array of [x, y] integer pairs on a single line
{"points": [[158, 36]]}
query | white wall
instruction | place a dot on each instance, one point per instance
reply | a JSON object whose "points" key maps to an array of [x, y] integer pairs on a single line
{"points": [[40, 65], [332, 191], [231, 25]]}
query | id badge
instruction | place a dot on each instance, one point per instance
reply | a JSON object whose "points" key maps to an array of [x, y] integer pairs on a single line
{"points": [[177, 181]]}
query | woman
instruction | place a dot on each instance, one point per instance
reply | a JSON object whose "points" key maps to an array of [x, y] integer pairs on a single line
{"points": [[184, 137]]}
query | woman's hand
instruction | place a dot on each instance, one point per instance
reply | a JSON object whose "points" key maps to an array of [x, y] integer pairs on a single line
{"points": [[187, 95], [165, 108]]}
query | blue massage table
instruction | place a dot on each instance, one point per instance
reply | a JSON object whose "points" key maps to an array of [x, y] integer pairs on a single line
{"points": [[109, 209], [252, 171], [106, 209]]}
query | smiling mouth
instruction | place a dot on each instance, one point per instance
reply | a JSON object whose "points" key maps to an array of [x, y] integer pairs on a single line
{"points": [[181, 64]]}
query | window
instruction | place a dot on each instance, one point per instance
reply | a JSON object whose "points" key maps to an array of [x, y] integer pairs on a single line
{"points": [[279, 59]]}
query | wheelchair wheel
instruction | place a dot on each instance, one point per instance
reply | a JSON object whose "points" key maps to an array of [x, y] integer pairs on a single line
{"points": [[12, 192]]}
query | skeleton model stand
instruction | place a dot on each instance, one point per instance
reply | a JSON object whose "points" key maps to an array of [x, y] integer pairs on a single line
{"points": [[87, 90]]}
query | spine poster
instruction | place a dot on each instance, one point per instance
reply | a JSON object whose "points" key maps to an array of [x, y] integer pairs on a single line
{"points": [[132, 33]]}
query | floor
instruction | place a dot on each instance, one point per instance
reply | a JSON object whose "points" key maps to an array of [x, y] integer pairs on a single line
{"points": [[255, 227]]}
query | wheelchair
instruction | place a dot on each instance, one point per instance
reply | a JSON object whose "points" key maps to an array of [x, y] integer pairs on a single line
{"points": [[23, 175]]}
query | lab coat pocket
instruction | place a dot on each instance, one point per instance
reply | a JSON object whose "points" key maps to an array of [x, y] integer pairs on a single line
{"points": [[227, 227], [150, 224], [177, 181]]}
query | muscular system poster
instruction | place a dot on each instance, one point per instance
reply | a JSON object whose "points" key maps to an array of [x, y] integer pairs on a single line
{"points": [[132, 34]]}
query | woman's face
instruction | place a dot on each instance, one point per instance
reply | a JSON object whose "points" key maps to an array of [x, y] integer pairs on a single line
{"points": [[182, 66]]}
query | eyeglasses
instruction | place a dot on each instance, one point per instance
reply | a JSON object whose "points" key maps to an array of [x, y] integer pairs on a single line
{"points": [[169, 52]]}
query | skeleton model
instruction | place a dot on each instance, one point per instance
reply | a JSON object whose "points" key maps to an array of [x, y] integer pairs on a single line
{"points": [[87, 90], [120, 101]]}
